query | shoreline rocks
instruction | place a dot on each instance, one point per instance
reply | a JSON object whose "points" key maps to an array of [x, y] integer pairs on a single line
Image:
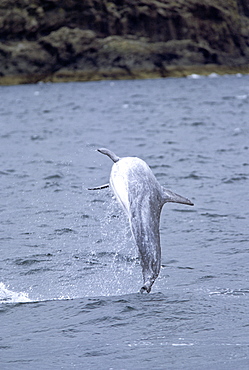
{"points": [[68, 40]]}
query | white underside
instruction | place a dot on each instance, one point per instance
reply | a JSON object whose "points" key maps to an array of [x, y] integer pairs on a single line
{"points": [[123, 173]]}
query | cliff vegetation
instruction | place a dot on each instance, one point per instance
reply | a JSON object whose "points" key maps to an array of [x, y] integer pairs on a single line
{"points": [[62, 40]]}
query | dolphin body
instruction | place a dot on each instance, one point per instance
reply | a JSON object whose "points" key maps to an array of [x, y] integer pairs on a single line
{"points": [[142, 197]]}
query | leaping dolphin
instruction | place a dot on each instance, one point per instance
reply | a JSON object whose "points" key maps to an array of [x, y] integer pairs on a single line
{"points": [[142, 197]]}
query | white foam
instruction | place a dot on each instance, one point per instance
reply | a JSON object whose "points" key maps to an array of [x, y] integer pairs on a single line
{"points": [[194, 76], [242, 97], [9, 296], [213, 75]]}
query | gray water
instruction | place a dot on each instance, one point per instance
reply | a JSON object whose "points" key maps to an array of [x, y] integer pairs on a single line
{"points": [[69, 272]]}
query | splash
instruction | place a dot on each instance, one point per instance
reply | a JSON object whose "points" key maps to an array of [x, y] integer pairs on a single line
{"points": [[9, 296], [117, 270]]}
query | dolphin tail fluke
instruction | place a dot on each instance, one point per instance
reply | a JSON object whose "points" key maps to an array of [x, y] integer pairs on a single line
{"points": [[99, 187], [169, 196]]}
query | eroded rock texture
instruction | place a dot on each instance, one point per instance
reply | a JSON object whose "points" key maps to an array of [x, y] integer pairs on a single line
{"points": [[94, 39]]}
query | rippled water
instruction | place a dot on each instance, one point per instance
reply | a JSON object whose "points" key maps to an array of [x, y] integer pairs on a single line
{"points": [[69, 272]]}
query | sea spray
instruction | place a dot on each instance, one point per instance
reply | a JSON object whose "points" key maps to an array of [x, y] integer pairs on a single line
{"points": [[114, 255], [9, 296]]}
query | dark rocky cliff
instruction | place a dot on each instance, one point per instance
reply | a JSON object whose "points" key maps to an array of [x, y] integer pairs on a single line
{"points": [[95, 39]]}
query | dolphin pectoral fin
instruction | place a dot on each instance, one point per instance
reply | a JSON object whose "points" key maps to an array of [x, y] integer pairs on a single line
{"points": [[99, 187], [169, 196]]}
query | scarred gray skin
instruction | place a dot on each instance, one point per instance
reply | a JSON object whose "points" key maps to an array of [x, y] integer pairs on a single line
{"points": [[142, 198]]}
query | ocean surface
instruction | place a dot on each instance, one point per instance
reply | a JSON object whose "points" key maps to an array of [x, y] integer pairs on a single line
{"points": [[69, 271]]}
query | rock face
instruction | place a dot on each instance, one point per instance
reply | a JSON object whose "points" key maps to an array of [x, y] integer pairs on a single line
{"points": [[96, 39]]}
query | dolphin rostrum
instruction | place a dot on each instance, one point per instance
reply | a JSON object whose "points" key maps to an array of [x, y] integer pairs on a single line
{"points": [[142, 197]]}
